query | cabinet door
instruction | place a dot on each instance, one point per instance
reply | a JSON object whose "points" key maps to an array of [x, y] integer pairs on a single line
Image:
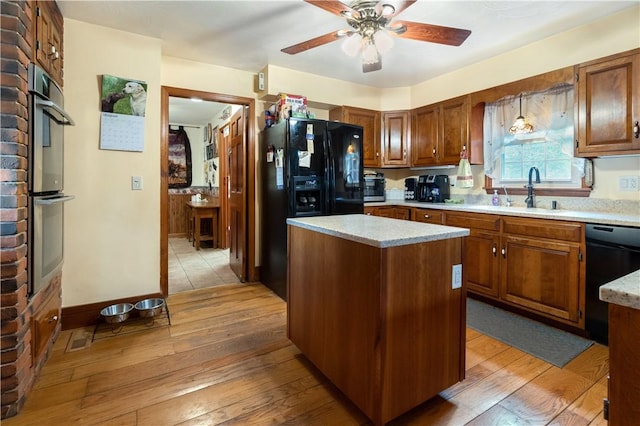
{"points": [[48, 39], [370, 121], [481, 259], [386, 212], [454, 119], [608, 107], [428, 216], [424, 136], [541, 275], [395, 138], [403, 213]]}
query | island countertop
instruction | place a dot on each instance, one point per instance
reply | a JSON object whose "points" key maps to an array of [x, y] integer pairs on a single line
{"points": [[624, 291], [377, 231]]}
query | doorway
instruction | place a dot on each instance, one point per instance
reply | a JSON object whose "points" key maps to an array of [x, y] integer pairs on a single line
{"points": [[247, 214]]}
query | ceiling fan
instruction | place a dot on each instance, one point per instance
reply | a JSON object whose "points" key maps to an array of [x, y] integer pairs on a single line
{"points": [[371, 25]]}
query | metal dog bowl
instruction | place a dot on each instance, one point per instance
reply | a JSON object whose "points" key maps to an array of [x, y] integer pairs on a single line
{"points": [[116, 313], [149, 307]]}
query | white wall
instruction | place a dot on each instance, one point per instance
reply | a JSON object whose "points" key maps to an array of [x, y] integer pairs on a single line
{"points": [[113, 233], [112, 238]]}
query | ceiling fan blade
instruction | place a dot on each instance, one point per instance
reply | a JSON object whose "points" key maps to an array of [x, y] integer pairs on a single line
{"points": [[430, 33], [334, 6], [399, 6], [314, 42]]}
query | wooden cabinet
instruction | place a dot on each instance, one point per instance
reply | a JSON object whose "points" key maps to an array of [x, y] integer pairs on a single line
{"points": [[396, 138], [543, 267], [481, 251], [179, 214], [370, 121], [427, 215], [43, 325], [533, 264], [47, 45], [392, 212], [439, 132], [608, 106], [624, 374]]}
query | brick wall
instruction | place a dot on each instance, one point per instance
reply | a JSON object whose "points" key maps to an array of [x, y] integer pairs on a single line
{"points": [[18, 369]]}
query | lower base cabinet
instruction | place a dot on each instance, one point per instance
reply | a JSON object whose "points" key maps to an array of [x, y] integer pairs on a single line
{"points": [[624, 374], [389, 211], [532, 264]]}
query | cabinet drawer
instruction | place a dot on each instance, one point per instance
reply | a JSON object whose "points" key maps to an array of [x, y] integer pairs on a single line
{"points": [[43, 325], [566, 231], [486, 222], [428, 216]]}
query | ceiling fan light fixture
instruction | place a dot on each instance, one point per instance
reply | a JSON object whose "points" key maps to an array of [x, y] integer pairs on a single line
{"points": [[387, 10], [352, 45], [520, 126], [370, 52], [383, 41]]}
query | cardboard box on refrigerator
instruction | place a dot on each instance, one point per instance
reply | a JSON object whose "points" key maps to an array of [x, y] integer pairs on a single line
{"points": [[291, 106]]}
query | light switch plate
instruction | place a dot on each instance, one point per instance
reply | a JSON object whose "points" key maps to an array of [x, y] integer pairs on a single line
{"points": [[456, 276], [136, 183]]}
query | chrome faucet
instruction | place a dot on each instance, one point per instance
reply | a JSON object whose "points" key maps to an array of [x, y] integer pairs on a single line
{"points": [[530, 194]]}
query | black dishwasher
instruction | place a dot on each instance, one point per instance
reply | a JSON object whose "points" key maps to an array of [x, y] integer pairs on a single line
{"points": [[612, 252]]}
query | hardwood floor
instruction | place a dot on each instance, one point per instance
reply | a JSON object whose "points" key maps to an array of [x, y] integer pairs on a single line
{"points": [[226, 360]]}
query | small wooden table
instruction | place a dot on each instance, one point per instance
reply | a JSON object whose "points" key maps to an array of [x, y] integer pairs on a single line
{"points": [[204, 210]]}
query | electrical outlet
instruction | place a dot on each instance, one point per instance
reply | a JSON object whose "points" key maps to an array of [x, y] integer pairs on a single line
{"points": [[136, 183], [628, 183], [456, 276]]}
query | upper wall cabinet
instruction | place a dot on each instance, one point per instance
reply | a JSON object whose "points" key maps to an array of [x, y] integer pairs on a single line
{"points": [[439, 132], [47, 47], [608, 106], [395, 138], [370, 122]]}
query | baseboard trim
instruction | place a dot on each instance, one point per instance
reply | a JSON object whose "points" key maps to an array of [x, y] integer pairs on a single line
{"points": [[89, 315]]}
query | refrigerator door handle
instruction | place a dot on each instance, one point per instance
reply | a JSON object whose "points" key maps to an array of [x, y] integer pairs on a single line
{"points": [[330, 174]]}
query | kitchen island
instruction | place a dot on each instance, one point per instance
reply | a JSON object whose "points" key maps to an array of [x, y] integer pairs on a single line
{"points": [[376, 305]]}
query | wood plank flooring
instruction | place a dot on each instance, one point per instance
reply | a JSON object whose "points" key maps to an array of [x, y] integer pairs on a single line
{"points": [[226, 360]]}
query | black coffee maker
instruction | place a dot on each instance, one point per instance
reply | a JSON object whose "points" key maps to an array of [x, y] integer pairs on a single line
{"points": [[433, 188]]}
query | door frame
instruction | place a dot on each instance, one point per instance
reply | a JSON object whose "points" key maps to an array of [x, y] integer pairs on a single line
{"points": [[250, 144]]}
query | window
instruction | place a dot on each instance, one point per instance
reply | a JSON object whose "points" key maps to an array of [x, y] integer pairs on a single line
{"points": [[508, 158]]}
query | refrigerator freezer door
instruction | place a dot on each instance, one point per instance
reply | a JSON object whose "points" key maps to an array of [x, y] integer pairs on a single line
{"points": [[346, 176]]}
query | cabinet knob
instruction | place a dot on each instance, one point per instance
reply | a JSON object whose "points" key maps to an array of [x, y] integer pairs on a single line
{"points": [[636, 130], [368, 213], [504, 252], [53, 319], [377, 154], [405, 154], [426, 216], [494, 250], [434, 151]]}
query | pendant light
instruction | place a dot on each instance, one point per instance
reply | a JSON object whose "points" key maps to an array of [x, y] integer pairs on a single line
{"points": [[520, 126]]}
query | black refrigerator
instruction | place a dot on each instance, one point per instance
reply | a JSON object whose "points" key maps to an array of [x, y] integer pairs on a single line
{"points": [[308, 168]]}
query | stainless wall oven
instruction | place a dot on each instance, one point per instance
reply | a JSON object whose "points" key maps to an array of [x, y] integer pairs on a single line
{"points": [[47, 119]]}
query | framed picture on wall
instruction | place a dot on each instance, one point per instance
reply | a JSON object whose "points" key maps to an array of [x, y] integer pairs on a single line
{"points": [[214, 142], [179, 159]]}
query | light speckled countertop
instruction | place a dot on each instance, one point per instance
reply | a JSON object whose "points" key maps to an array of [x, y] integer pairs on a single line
{"points": [[605, 218], [378, 231], [624, 291]]}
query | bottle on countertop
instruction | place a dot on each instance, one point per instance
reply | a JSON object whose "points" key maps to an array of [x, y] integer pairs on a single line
{"points": [[495, 200]]}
